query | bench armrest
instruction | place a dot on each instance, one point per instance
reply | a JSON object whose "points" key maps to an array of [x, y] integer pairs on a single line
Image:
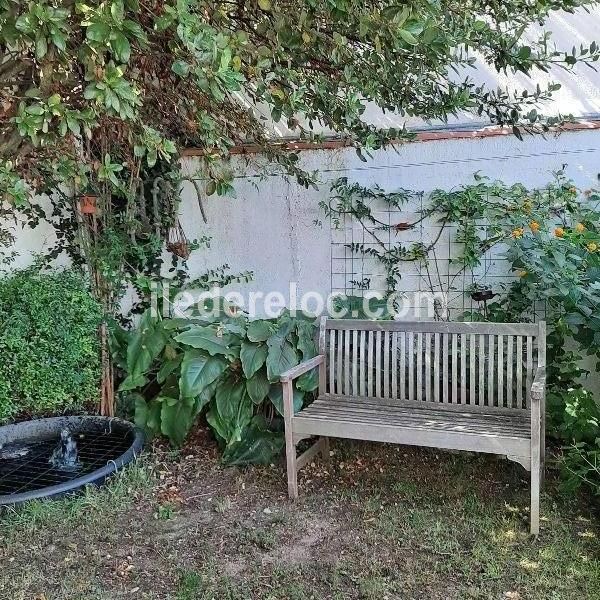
{"points": [[300, 369], [538, 388]]}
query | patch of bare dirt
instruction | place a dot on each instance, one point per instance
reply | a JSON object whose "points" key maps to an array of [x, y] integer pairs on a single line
{"points": [[307, 546]]}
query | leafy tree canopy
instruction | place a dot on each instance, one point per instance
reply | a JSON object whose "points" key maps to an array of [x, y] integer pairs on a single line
{"points": [[100, 90]]}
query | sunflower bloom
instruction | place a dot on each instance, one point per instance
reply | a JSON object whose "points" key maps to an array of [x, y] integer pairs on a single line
{"points": [[517, 233], [523, 273], [580, 228], [534, 226], [592, 246], [559, 232]]}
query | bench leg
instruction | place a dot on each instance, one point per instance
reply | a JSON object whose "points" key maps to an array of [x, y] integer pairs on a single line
{"points": [[536, 477], [325, 448], [537, 443], [292, 471], [543, 450]]}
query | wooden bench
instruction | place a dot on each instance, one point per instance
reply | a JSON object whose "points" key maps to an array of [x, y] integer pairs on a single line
{"points": [[460, 386]]}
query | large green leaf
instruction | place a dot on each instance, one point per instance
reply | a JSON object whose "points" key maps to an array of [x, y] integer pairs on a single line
{"points": [[258, 387], [217, 424], [205, 396], [147, 414], [167, 367], [237, 327], [198, 371], [276, 397], [281, 357], [183, 323], [233, 409], [176, 418], [253, 357], [306, 338], [145, 345], [206, 338], [119, 341], [257, 446], [308, 382], [132, 382], [260, 331], [228, 399], [141, 410]]}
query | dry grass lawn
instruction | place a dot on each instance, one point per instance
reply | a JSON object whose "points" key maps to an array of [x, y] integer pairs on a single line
{"points": [[375, 522]]}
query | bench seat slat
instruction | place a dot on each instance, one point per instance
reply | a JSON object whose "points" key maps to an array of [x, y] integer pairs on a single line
{"points": [[408, 413], [455, 430], [412, 434], [420, 405], [405, 416], [410, 420]]}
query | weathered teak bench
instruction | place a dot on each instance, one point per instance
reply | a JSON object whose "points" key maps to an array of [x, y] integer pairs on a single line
{"points": [[461, 386]]}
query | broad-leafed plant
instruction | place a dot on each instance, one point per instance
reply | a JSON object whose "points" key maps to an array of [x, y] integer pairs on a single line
{"points": [[228, 366]]}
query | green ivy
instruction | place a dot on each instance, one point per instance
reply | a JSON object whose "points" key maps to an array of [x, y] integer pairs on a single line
{"points": [[49, 353]]}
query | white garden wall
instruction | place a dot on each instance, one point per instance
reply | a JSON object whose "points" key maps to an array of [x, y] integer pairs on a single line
{"points": [[269, 227], [271, 230]]}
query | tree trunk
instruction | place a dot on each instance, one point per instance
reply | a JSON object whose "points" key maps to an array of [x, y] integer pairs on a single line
{"points": [[107, 398]]}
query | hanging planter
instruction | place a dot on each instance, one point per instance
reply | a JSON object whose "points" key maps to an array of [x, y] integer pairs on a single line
{"points": [[88, 204], [177, 242]]}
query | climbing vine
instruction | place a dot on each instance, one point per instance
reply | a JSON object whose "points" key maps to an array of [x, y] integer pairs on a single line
{"points": [[478, 218]]}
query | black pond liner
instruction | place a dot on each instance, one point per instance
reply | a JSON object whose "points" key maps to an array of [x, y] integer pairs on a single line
{"points": [[104, 445]]}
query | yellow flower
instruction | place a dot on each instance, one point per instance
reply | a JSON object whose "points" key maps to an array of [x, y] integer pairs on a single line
{"points": [[534, 226], [522, 273], [580, 228], [527, 206], [592, 246], [518, 232], [559, 232]]}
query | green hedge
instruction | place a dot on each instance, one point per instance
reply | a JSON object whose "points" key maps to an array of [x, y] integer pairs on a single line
{"points": [[49, 349]]}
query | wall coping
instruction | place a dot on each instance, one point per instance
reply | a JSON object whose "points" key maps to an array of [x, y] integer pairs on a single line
{"points": [[422, 136]]}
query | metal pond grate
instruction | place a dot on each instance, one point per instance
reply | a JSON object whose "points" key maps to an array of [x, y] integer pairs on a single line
{"points": [[33, 471]]}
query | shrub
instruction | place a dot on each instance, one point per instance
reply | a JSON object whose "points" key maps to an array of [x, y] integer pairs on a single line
{"points": [[574, 418], [49, 352], [581, 466]]}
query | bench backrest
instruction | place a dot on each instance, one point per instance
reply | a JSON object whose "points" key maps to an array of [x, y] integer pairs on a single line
{"points": [[483, 365]]}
